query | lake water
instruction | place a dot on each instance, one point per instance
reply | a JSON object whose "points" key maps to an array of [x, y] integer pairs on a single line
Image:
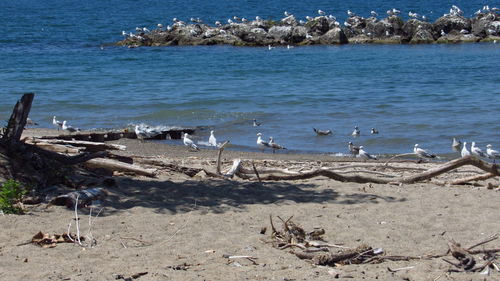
{"points": [[427, 94]]}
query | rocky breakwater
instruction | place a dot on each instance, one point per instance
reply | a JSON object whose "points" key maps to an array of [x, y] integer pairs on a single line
{"points": [[325, 29]]}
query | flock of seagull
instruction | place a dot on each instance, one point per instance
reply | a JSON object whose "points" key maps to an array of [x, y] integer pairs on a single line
{"points": [[144, 132]]}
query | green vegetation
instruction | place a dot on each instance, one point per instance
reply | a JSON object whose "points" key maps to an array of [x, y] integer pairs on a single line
{"points": [[11, 192]]}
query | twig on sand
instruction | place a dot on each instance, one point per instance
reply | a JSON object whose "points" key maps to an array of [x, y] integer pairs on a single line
{"points": [[182, 227]]}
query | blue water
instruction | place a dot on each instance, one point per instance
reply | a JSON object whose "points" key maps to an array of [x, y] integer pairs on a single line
{"points": [[63, 51]]}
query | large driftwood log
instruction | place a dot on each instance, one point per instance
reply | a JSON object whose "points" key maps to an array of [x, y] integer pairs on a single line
{"points": [[17, 120], [120, 166]]}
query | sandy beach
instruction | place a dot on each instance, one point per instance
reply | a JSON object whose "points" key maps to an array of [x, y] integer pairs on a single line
{"points": [[176, 227]]}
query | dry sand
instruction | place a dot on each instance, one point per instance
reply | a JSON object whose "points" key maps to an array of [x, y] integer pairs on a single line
{"points": [[178, 228]]}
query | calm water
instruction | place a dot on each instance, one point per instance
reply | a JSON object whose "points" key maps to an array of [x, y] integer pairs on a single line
{"points": [[426, 94]]}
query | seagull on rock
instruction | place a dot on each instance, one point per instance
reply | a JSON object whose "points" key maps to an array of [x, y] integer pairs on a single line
{"points": [[274, 145], [321, 132], [422, 153], [365, 154], [188, 142], [69, 128], [465, 150], [491, 153], [476, 150], [212, 140], [354, 150]]}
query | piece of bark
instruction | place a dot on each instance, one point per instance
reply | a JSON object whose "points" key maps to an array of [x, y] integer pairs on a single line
{"points": [[93, 146], [120, 166], [57, 147]]}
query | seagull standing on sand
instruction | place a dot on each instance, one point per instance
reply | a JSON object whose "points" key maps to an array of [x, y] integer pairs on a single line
{"points": [[141, 134], [188, 142], [365, 154], [321, 132], [491, 153], [456, 144], [354, 150], [465, 151], [262, 144], [57, 123], [274, 145], [422, 153], [69, 128], [356, 132], [212, 140], [476, 150]]}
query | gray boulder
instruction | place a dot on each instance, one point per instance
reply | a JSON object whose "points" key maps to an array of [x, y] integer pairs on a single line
{"points": [[282, 34], [318, 26], [449, 23], [334, 36]]}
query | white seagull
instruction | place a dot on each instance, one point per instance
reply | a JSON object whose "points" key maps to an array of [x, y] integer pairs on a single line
{"points": [[212, 140], [356, 132], [354, 150], [365, 154], [476, 150], [491, 153], [30, 122], [456, 144], [255, 123], [374, 131], [321, 13], [57, 123], [374, 14], [274, 145], [465, 151], [262, 143], [422, 153], [69, 128], [188, 142]]}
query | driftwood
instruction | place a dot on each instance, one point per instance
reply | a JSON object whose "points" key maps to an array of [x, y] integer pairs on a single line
{"points": [[120, 166], [92, 146], [57, 147], [17, 120]]}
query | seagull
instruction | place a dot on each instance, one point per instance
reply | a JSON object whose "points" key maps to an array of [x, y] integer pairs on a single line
{"points": [[491, 153], [274, 145], [287, 14], [270, 47], [145, 30], [160, 26], [212, 140], [456, 144], [353, 149], [289, 47], [365, 154], [443, 33], [350, 14], [374, 131], [188, 142], [476, 150], [69, 128], [57, 123], [140, 133], [321, 13], [308, 18], [374, 14], [321, 132], [217, 23], [262, 143], [29, 121], [465, 151], [356, 132], [255, 123], [464, 31], [422, 153]]}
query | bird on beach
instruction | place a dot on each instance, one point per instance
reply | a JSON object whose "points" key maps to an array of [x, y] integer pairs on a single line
{"points": [[30, 122], [374, 131], [365, 155], [455, 145], [422, 153], [476, 150], [465, 150], [491, 153], [69, 128], [212, 140], [262, 144], [354, 150], [57, 123], [322, 132], [188, 142], [255, 123], [274, 145], [356, 132]]}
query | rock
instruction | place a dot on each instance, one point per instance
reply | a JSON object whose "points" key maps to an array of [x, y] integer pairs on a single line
{"points": [[457, 38], [422, 35], [334, 36], [449, 23], [420, 29], [282, 34], [318, 26], [299, 34]]}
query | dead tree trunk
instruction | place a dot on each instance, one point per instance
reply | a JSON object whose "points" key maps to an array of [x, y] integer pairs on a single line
{"points": [[17, 120]]}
